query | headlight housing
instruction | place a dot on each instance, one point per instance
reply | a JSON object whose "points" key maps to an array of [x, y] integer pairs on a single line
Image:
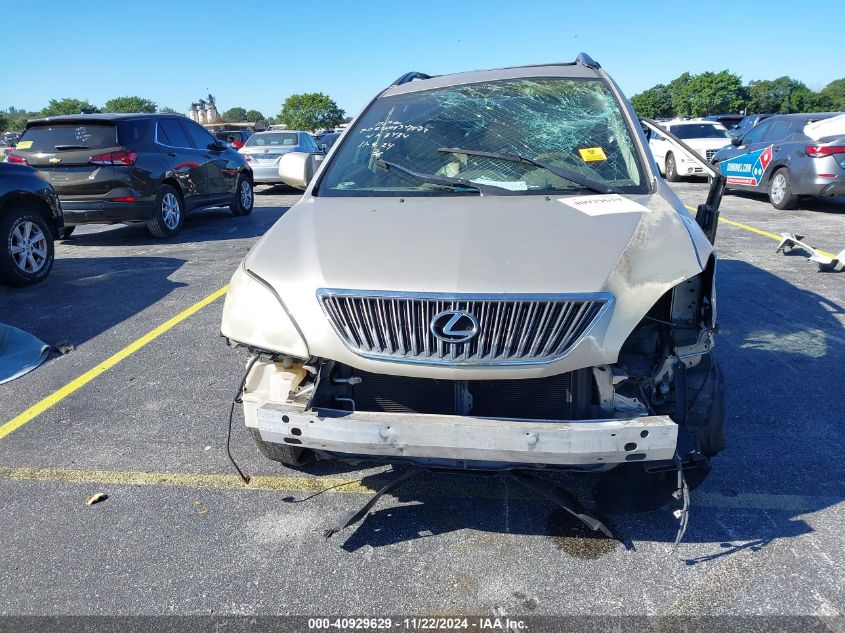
{"points": [[253, 315]]}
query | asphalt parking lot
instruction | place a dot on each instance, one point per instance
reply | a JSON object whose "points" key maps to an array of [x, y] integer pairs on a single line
{"points": [[179, 533]]}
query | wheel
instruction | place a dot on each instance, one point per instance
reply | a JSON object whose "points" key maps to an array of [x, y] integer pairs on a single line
{"points": [[67, 232], [780, 193], [282, 453], [168, 215], [242, 204], [26, 250], [671, 169]]}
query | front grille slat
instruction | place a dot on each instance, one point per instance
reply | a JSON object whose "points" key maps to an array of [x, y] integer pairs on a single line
{"points": [[563, 314], [513, 329]]}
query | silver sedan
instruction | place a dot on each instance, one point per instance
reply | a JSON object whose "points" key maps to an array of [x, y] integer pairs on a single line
{"points": [[264, 149], [788, 156]]}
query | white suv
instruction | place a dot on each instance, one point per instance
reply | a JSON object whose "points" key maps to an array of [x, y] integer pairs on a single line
{"points": [[705, 137]]}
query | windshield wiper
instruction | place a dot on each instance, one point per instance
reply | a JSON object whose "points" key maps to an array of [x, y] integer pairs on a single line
{"points": [[61, 147], [442, 180], [574, 176]]}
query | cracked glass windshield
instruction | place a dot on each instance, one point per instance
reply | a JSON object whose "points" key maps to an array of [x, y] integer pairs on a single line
{"points": [[574, 125]]}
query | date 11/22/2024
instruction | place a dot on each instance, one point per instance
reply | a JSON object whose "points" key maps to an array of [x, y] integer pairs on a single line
{"points": [[417, 624]]}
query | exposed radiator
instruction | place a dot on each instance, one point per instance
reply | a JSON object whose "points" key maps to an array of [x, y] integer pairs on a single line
{"points": [[562, 397]]}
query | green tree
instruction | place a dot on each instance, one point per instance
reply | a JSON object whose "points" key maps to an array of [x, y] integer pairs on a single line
{"points": [[802, 99], [653, 103], [765, 96], [782, 96], [833, 95], [253, 116], [16, 118], [57, 107], [4, 122], [713, 93], [678, 91], [310, 111], [130, 104], [233, 115], [168, 110]]}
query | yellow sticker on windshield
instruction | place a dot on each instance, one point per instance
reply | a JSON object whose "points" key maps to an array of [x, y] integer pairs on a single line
{"points": [[24, 145], [591, 154]]}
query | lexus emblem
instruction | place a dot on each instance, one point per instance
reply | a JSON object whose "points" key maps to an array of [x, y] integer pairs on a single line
{"points": [[454, 326]]}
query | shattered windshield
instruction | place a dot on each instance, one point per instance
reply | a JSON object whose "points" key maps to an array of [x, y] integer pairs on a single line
{"points": [[573, 124]]}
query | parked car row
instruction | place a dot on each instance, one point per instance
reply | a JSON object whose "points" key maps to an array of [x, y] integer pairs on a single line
{"points": [[127, 168], [110, 168], [156, 168], [786, 156], [146, 168]]}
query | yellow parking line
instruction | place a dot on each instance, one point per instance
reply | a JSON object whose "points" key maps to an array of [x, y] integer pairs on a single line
{"points": [[752, 229], [62, 393], [287, 483], [449, 487]]}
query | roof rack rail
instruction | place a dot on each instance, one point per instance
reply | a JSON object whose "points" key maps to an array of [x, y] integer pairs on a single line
{"points": [[409, 77], [587, 61]]}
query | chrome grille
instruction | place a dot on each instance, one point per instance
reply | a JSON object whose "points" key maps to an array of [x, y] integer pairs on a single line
{"points": [[710, 153], [520, 329]]}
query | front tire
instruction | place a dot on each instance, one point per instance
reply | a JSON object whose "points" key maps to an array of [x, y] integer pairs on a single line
{"points": [[291, 456], [67, 232], [169, 214], [780, 191], [26, 250], [244, 197], [671, 169]]}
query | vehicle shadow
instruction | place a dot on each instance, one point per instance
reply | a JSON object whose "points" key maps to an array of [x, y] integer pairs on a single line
{"points": [[208, 225], [86, 296], [780, 348], [277, 190]]}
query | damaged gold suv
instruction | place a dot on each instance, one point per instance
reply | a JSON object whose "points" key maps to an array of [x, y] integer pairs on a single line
{"points": [[486, 272]]}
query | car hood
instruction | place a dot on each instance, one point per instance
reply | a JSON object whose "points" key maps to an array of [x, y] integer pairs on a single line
{"points": [[633, 248]]}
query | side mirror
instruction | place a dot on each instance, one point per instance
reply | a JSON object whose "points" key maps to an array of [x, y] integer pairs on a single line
{"points": [[297, 169], [323, 147], [736, 141]]}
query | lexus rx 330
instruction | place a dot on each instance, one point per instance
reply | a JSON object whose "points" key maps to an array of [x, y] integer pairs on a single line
{"points": [[486, 272]]}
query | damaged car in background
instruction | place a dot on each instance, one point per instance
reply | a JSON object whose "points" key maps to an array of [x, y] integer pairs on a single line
{"points": [[487, 272]]}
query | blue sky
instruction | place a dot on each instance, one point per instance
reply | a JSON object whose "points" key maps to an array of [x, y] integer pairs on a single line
{"points": [[255, 54]]}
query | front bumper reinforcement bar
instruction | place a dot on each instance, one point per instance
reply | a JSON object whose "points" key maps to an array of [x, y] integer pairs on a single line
{"points": [[490, 440]]}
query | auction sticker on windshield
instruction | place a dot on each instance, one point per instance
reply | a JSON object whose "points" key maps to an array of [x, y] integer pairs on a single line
{"points": [[747, 169], [592, 154], [603, 205]]}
